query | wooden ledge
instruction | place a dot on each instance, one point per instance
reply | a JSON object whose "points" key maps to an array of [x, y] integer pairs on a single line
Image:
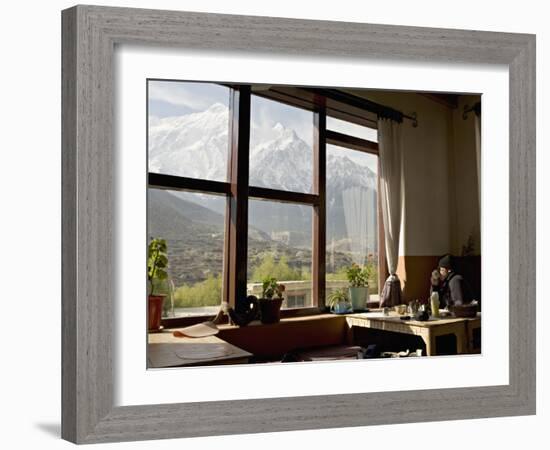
{"points": [[284, 321]]}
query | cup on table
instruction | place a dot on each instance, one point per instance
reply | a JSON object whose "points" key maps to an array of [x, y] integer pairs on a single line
{"points": [[400, 309]]}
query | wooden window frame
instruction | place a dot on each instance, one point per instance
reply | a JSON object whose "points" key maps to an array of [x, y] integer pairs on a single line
{"points": [[238, 191]]}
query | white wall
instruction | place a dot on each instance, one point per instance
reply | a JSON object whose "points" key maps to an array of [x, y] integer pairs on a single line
{"points": [[427, 221], [30, 225], [440, 170], [463, 159]]}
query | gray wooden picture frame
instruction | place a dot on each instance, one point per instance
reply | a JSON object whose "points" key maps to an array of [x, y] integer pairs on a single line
{"points": [[89, 37]]}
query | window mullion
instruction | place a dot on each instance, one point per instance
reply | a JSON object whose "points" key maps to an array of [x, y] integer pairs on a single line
{"points": [[319, 210], [236, 249]]}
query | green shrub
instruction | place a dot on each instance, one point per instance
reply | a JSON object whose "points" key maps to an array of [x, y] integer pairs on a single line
{"points": [[277, 269], [205, 293]]}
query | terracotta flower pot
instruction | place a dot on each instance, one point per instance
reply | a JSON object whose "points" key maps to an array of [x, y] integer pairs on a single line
{"points": [[270, 309], [154, 312]]}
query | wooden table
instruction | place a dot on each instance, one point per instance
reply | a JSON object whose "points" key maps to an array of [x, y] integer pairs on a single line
{"points": [[472, 325], [165, 350], [428, 330]]}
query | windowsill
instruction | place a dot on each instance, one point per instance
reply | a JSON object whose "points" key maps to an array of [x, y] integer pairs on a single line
{"points": [[182, 321], [297, 316], [286, 314]]}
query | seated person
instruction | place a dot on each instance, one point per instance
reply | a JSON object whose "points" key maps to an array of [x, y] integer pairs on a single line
{"points": [[452, 288]]}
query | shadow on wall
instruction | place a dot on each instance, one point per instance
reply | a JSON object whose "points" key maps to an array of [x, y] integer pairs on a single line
{"points": [[470, 268], [415, 271]]}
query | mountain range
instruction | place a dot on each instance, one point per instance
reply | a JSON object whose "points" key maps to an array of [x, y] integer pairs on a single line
{"points": [[196, 146]]}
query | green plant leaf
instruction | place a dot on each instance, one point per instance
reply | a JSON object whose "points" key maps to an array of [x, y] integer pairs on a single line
{"points": [[157, 261]]}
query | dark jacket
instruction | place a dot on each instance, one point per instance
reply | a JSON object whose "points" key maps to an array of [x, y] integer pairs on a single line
{"points": [[453, 290]]}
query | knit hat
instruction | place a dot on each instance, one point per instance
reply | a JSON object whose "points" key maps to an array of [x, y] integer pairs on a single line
{"points": [[446, 262]]}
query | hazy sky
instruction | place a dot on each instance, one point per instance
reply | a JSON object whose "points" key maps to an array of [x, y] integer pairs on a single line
{"points": [[176, 98], [171, 98]]}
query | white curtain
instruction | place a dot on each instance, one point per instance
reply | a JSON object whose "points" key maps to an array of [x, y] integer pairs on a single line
{"points": [[360, 217], [390, 148], [478, 155]]}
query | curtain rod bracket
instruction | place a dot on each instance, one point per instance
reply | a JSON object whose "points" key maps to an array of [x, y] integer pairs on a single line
{"points": [[476, 108]]}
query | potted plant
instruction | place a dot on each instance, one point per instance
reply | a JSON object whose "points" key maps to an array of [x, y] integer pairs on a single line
{"points": [[338, 302], [271, 301], [358, 278], [157, 262]]}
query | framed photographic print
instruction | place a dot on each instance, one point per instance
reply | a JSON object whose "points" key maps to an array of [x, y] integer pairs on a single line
{"points": [[268, 230]]}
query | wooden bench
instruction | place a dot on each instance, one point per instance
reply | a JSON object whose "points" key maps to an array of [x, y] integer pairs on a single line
{"points": [[275, 340]]}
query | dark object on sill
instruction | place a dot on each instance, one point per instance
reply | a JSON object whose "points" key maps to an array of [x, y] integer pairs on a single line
{"points": [[465, 311], [422, 316], [246, 310], [405, 317], [372, 351], [364, 310]]}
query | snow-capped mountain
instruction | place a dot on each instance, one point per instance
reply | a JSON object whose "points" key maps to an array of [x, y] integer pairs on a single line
{"points": [[196, 146], [280, 159]]}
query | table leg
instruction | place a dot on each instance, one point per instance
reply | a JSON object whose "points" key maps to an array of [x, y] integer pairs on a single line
{"points": [[350, 335], [461, 342], [429, 340]]}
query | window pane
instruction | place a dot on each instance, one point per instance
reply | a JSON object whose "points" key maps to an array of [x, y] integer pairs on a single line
{"points": [[279, 245], [352, 213], [194, 233], [281, 138], [188, 129], [352, 129]]}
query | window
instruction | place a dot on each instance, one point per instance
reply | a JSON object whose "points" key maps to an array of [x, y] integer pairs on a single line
{"points": [[244, 186], [188, 139], [279, 245], [352, 129], [188, 129], [352, 213], [194, 233], [296, 301], [281, 139]]}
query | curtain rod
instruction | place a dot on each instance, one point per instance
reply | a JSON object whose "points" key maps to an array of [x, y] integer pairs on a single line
{"points": [[358, 102], [368, 105]]}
